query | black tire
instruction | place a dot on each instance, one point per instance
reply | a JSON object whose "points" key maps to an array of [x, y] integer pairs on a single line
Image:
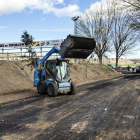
{"points": [[73, 89], [52, 90], [137, 71], [41, 87]]}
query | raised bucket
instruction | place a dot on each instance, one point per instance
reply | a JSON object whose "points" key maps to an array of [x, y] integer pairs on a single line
{"points": [[77, 47]]}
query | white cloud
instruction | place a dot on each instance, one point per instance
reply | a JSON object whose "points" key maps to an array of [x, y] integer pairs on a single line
{"points": [[60, 1], [47, 6], [70, 10], [98, 5], [105, 4]]}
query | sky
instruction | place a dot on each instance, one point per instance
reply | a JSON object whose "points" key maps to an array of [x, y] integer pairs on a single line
{"points": [[43, 19]]}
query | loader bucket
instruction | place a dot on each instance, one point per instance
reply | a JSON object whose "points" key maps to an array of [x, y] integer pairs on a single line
{"points": [[77, 47]]}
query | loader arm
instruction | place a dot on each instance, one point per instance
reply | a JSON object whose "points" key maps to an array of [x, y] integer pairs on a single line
{"points": [[41, 61]]}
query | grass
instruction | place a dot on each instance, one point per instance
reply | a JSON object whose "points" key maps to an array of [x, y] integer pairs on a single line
{"points": [[124, 65], [96, 72], [107, 69], [102, 69], [75, 67], [110, 69], [70, 64]]}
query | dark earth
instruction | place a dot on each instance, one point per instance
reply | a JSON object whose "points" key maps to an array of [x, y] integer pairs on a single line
{"points": [[103, 110]]}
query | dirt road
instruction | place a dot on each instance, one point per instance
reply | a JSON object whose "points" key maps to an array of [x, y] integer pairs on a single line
{"points": [[108, 109]]}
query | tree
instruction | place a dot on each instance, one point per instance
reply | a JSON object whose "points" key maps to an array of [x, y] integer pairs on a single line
{"points": [[133, 7], [28, 41], [124, 38], [97, 24], [133, 4]]}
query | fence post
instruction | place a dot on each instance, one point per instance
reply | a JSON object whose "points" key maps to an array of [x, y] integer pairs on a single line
{"points": [[2, 53], [41, 51], [2, 50], [21, 53], [7, 57]]}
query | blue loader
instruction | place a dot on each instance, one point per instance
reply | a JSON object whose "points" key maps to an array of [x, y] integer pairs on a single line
{"points": [[52, 76]]}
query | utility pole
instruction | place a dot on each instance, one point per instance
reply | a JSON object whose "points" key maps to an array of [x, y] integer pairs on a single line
{"points": [[75, 24]]}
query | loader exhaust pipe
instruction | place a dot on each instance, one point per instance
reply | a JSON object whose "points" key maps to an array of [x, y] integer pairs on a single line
{"points": [[77, 47]]}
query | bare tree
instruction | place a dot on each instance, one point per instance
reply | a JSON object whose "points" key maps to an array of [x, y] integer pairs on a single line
{"points": [[133, 7], [133, 4], [124, 38], [97, 24]]}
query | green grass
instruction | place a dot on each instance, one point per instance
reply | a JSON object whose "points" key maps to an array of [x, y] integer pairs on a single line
{"points": [[70, 64], [102, 69], [107, 69], [96, 72], [75, 67], [110, 69]]}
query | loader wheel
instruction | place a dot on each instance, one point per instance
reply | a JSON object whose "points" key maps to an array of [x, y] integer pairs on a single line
{"points": [[41, 87], [52, 90], [137, 71], [73, 89]]}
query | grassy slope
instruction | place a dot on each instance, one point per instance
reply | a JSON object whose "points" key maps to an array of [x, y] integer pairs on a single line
{"points": [[12, 79], [80, 73], [16, 76]]}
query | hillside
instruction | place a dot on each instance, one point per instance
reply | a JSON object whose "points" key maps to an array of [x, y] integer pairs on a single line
{"points": [[17, 76], [13, 79], [135, 60]]}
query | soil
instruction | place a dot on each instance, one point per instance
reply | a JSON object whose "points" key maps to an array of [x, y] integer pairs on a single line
{"points": [[17, 76], [12, 79], [86, 72], [103, 110]]}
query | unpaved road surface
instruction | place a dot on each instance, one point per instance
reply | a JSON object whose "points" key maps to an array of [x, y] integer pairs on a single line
{"points": [[104, 110]]}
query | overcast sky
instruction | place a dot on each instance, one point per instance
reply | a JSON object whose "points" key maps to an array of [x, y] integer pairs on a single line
{"points": [[44, 19]]}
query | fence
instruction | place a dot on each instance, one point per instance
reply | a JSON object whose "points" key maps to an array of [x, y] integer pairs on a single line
{"points": [[18, 57], [21, 53]]}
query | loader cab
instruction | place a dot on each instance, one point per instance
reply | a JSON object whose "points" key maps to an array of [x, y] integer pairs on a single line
{"points": [[57, 70]]}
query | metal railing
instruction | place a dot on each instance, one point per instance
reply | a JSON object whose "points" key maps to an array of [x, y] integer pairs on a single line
{"points": [[21, 53]]}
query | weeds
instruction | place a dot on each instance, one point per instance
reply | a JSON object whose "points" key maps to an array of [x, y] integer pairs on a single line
{"points": [[102, 69], [96, 72], [70, 64], [75, 67], [110, 69], [107, 69]]}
